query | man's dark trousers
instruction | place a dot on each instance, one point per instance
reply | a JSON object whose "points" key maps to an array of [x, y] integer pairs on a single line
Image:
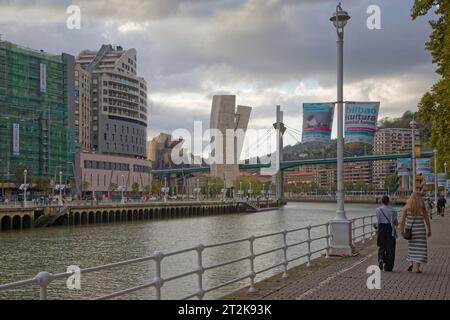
{"points": [[386, 246]]}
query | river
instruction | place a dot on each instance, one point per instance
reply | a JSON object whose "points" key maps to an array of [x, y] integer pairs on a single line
{"points": [[24, 253]]}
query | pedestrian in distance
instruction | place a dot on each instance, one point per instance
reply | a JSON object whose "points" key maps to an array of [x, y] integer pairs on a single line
{"points": [[441, 205], [387, 234], [430, 207], [414, 219]]}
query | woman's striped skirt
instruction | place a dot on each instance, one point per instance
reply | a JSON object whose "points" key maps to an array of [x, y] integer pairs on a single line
{"points": [[417, 246]]}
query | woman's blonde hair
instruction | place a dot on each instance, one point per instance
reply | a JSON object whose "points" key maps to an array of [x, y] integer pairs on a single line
{"points": [[416, 204]]}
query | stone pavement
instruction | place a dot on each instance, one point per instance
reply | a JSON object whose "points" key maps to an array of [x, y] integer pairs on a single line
{"points": [[345, 278]]}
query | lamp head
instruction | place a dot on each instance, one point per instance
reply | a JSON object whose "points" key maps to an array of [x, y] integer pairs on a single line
{"points": [[340, 17]]}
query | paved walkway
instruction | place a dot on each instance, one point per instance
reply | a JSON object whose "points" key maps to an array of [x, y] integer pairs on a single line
{"points": [[345, 278]]}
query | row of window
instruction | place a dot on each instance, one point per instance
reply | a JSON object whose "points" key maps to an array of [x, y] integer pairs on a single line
{"points": [[103, 165]]}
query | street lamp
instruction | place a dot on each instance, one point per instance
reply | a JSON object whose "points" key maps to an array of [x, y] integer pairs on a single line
{"points": [[25, 187], [123, 187], [198, 188], [60, 188], [413, 125], [435, 179], [340, 226]]}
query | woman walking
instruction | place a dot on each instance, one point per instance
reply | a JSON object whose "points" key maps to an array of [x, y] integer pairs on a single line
{"points": [[414, 219]]}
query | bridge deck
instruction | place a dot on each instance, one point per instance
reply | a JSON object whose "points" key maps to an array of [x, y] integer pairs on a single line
{"points": [[345, 278]]}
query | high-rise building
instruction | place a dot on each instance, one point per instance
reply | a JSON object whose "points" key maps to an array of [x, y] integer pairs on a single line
{"points": [[36, 113], [110, 122], [83, 109], [389, 141], [118, 99]]}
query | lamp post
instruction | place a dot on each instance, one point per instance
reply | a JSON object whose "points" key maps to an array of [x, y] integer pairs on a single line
{"points": [[198, 188], [25, 187], [123, 187], [435, 179], [340, 225], [240, 189], [445, 169], [413, 125], [60, 189], [165, 189]]}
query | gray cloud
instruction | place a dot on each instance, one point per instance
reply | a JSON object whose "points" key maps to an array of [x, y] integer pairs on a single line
{"points": [[267, 52]]}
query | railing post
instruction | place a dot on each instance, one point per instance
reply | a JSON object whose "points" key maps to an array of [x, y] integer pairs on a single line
{"points": [[309, 246], [327, 233], [159, 282], [363, 230], [371, 227], [252, 274], [353, 226], [43, 279], [285, 248], [200, 271]]}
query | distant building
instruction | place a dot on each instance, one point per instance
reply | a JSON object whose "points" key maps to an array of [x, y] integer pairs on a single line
{"points": [[118, 102], [36, 113], [225, 116], [359, 171], [159, 150], [389, 141], [321, 176], [97, 173]]}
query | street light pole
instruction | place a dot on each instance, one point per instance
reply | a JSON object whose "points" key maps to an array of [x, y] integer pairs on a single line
{"points": [[25, 187], [413, 125], [123, 187], [60, 188], [435, 179], [340, 225]]}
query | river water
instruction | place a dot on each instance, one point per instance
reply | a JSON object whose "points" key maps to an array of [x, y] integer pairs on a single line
{"points": [[24, 253]]}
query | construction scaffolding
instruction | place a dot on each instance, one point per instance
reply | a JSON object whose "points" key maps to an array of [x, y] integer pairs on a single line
{"points": [[34, 129]]}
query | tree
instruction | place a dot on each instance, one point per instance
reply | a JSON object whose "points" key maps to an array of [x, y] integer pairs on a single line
{"points": [[148, 189], [246, 182], [390, 184], [156, 187], [434, 107], [113, 187], [42, 184], [84, 187], [135, 187], [211, 185]]}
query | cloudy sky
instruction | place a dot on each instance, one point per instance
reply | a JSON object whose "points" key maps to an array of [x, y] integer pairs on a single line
{"points": [[267, 52]]}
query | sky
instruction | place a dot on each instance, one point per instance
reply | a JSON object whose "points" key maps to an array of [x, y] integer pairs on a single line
{"points": [[266, 52]]}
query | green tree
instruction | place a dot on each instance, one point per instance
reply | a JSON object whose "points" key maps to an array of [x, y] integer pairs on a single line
{"points": [[246, 182], [434, 107], [148, 189], [212, 185], [113, 187], [156, 187], [42, 184], [390, 184], [135, 187]]}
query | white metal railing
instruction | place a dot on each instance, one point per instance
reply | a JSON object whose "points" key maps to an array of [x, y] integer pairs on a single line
{"points": [[44, 279], [361, 230]]}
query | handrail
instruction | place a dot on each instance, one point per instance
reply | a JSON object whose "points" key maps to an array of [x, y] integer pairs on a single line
{"points": [[43, 279]]}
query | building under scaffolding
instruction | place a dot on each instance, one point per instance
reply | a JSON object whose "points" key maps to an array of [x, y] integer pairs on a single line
{"points": [[36, 113]]}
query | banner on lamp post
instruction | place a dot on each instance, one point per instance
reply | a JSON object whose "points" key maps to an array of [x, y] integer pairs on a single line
{"points": [[317, 122], [422, 165], [404, 167], [428, 179], [361, 121], [441, 179]]}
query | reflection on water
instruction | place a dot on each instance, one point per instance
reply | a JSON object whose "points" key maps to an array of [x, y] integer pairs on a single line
{"points": [[24, 253]]}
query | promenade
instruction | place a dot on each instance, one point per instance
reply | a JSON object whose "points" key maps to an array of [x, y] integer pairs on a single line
{"points": [[345, 277]]}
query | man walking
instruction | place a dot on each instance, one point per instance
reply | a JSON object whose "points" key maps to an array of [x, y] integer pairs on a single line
{"points": [[441, 205], [386, 241]]}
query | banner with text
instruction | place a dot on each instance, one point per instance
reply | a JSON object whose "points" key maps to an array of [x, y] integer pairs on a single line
{"points": [[361, 121], [422, 165], [428, 178], [441, 179], [317, 122], [403, 167]]}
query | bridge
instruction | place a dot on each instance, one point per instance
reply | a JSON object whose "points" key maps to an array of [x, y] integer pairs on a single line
{"points": [[294, 163]]}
